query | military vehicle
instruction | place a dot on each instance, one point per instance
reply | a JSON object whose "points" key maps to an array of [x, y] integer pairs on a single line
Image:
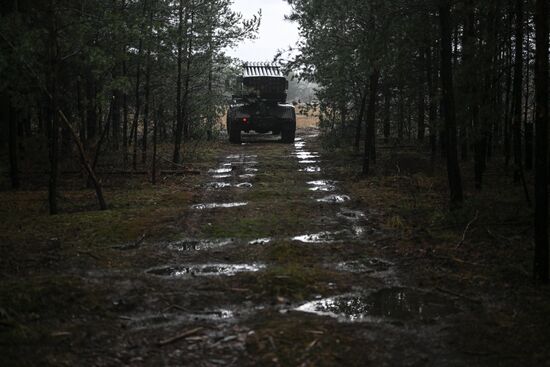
{"points": [[261, 104]]}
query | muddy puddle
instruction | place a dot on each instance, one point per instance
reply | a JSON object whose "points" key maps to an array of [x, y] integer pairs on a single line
{"points": [[244, 185], [334, 199], [247, 176], [204, 270], [351, 215], [217, 185], [311, 169], [322, 185], [219, 177], [260, 241], [220, 170], [363, 266], [217, 205], [331, 237], [397, 304], [191, 244]]}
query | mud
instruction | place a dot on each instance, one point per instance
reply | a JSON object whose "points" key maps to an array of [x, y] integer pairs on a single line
{"points": [[311, 169], [220, 170], [334, 199], [400, 304], [285, 278], [322, 185], [170, 320], [199, 245], [363, 266], [217, 185], [204, 270], [217, 205], [260, 241]]}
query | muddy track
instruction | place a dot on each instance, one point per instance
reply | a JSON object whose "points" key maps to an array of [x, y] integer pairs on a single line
{"points": [[275, 265]]}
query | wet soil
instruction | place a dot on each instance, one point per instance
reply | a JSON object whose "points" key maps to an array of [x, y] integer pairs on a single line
{"points": [[272, 263]]}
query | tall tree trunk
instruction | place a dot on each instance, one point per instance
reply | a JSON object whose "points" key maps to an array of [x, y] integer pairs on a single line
{"points": [[10, 117], [146, 108], [387, 113], [187, 84], [91, 109], [541, 157], [517, 92], [155, 138], [179, 120], [421, 100], [134, 131], [370, 121], [137, 107], [528, 124], [432, 108], [124, 121], [359, 122], [53, 127], [401, 120], [117, 99], [508, 100], [453, 169]]}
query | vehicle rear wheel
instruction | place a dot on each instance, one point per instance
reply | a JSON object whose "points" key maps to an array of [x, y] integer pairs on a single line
{"points": [[234, 135], [288, 135]]}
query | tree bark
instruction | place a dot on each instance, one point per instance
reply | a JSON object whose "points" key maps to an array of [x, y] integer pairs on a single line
{"points": [[124, 121], [541, 259], [387, 113], [11, 118], [370, 121], [179, 120], [146, 108], [432, 108], [359, 123], [517, 92], [453, 169], [53, 127]]}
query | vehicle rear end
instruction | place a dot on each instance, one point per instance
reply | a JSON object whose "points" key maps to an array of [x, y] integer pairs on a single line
{"points": [[261, 106]]}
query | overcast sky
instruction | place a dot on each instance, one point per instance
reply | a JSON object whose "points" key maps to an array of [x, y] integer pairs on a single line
{"points": [[275, 32]]}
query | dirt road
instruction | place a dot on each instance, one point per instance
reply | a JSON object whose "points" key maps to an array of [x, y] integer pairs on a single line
{"points": [[273, 264]]}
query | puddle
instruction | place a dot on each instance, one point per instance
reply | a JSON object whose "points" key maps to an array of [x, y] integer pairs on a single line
{"points": [[334, 199], [217, 185], [220, 176], [322, 185], [363, 266], [311, 169], [260, 241], [159, 321], [305, 154], [247, 175], [399, 304], [217, 205], [204, 270], [321, 237], [244, 185], [251, 169], [352, 215], [199, 245], [220, 170]]}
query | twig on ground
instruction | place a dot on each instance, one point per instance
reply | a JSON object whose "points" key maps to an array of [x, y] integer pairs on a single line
{"points": [[497, 236], [183, 335], [442, 290], [95, 257], [467, 228]]}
